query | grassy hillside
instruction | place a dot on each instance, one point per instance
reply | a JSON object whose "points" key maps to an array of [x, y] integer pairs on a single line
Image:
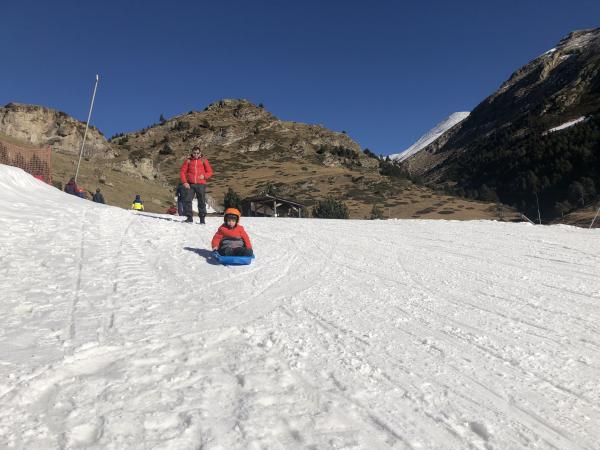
{"points": [[118, 188]]}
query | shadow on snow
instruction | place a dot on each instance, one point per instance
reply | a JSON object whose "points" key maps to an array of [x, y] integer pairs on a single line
{"points": [[206, 254]]}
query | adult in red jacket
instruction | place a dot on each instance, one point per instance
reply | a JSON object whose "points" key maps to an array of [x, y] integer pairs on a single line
{"points": [[231, 239], [194, 173]]}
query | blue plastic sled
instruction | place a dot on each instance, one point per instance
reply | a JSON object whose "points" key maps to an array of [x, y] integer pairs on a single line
{"points": [[233, 260]]}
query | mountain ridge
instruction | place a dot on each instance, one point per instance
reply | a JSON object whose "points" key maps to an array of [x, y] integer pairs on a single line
{"points": [[431, 136], [503, 150]]}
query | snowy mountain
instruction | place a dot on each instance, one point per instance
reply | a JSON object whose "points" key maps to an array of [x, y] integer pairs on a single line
{"points": [[484, 157], [432, 135], [119, 331]]}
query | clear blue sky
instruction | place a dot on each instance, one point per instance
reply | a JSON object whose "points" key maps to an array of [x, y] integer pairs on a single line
{"points": [[384, 71]]}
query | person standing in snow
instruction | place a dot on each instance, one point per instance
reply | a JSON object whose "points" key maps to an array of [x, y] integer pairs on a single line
{"points": [[138, 204], [231, 239], [71, 187], [98, 197], [194, 173]]}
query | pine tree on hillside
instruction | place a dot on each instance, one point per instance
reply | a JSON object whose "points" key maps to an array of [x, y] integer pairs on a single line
{"points": [[232, 200], [330, 208], [270, 189], [376, 213]]}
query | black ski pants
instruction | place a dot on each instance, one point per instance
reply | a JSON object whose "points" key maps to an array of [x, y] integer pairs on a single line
{"points": [[199, 191]]}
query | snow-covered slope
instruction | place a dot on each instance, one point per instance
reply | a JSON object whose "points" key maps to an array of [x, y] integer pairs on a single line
{"points": [[432, 135], [118, 332]]}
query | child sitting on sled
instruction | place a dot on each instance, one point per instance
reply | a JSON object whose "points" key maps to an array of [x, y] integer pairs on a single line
{"points": [[231, 239]]}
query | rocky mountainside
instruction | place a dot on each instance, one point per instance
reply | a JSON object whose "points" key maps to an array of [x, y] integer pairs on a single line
{"points": [[233, 128], [43, 126], [504, 148], [250, 148], [250, 151]]}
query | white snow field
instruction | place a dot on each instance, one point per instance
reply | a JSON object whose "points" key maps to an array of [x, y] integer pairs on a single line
{"points": [[117, 332]]}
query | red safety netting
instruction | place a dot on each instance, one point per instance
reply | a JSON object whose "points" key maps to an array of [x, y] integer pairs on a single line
{"points": [[36, 161]]}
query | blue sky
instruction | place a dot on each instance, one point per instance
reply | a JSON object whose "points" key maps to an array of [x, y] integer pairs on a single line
{"points": [[383, 71]]}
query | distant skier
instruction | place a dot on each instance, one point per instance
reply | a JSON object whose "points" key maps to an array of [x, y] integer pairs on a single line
{"points": [[71, 187], [194, 173], [172, 210], [98, 197], [137, 204], [231, 239]]}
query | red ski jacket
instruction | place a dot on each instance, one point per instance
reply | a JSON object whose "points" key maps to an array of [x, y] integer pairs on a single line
{"points": [[192, 169], [237, 232]]}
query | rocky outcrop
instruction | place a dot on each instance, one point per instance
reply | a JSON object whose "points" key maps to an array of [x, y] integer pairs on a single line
{"points": [[237, 127], [43, 126]]}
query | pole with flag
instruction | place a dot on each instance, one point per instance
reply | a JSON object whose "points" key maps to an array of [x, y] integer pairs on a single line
{"points": [[87, 126]]}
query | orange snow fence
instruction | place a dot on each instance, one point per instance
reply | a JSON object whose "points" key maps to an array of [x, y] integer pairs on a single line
{"points": [[35, 161]]}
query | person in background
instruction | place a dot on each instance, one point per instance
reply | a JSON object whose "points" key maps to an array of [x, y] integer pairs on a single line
{"points": [[138, 204], [98, 197], [172, 210], [71, 187], [194, 173]]}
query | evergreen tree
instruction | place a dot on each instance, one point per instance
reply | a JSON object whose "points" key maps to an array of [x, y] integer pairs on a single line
{"points": [[166, 149], [577, 193], [270, 189], [162, 119], [330, 208], [232, 200], [376, 213]]}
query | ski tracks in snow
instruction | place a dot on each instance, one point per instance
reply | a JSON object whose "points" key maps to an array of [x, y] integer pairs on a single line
{"points": [[120, 333]]}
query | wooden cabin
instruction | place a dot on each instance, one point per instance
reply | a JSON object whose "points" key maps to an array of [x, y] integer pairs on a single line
{"points": [[271, 206]]}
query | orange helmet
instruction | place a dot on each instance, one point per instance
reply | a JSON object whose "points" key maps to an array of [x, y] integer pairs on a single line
{"points": [[234, 211]]}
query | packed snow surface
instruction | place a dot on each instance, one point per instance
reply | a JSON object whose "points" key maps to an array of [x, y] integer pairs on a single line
{"points": [[119, 331], [432, 135], [566, 125]]}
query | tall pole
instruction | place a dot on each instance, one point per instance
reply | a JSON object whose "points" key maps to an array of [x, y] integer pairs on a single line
{"points": [[538, 208], [87, 124], [592, 224]]}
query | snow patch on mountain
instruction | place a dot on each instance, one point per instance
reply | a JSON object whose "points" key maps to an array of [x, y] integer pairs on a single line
{"points": [[432, 135], [568, 124]]}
